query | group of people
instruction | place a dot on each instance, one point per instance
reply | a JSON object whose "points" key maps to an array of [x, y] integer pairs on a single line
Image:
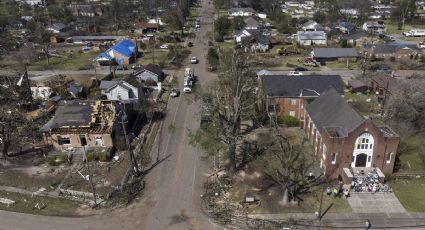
{"points": [[369, 183], [337, 190]]}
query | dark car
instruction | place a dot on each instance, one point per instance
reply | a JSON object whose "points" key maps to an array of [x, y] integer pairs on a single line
{"points": [[300, 69], [383, 69], [190, 44]]}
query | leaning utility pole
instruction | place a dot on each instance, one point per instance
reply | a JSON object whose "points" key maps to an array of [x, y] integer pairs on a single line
{"points": [[132, 159], [90, 175]]}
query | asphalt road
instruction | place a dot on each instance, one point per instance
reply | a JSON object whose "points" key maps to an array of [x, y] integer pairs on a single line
{"points": [[171, 199], [178, 180]]}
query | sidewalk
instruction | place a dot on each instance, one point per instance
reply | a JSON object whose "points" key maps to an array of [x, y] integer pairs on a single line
{"points": [[353, 220]]}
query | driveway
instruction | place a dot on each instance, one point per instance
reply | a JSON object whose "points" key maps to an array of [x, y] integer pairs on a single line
{"points": [[375, 203]]}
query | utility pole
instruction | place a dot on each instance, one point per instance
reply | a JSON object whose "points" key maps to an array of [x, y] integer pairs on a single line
{"points": [[132, 159], [90, 175]]}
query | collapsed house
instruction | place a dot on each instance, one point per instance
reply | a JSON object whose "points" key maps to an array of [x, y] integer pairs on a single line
{"points": [[81, 123]]}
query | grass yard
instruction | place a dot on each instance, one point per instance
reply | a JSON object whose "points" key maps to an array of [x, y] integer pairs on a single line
{"points": [[342, 65], [160, 57], [65, 63], [410, 193], [410, 155], [364, 104], [226, 45], [26, 204]]}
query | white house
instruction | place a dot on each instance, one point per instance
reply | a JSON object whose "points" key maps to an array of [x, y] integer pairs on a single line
{"points": [[41, 92], [56, 28], [244, 12], [150, 72], [241, 34], [37, 3], [118, 90], [375, 27], [262, 15], [308, 38], [312, 25]]}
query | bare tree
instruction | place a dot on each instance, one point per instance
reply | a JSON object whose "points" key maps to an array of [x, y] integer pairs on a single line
{"points": [[404, 108], [291, 168], [230, 102]]}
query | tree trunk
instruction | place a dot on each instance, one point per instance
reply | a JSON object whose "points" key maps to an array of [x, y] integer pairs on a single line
{"points": [[285, 198], [232, 159]]}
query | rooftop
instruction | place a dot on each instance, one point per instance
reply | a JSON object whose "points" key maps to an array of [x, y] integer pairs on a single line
{"points": [[300, 86], [311, 35], [332, 113], [334, 52]]}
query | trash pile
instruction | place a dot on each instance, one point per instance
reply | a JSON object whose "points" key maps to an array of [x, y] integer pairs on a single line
{"points": [[368, 182]]}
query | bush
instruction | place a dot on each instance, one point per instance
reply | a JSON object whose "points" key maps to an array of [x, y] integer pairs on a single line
{"points": [[289, 121], [57, 159], [98, 156]]}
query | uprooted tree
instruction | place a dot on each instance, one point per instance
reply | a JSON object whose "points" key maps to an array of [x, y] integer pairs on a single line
{"points": [[230, 103]]}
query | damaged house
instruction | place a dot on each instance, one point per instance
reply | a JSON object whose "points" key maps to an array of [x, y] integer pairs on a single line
{"points": [[81, 123]]}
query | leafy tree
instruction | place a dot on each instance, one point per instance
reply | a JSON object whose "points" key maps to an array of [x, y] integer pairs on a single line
{"points": [[212, 57], [221, 27], [282, 22], [175, 19], [289, 121]]}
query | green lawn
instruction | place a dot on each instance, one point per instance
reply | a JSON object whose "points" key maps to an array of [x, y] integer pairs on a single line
{"points": [[26, 203], [160, 57], [342, 65], [411, 155], [410, 193], [227, 45], [78, 60]]}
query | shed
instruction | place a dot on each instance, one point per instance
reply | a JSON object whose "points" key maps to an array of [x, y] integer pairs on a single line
{"points": [[357, 86]]}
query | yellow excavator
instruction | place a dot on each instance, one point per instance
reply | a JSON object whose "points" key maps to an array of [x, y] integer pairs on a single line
{"points": [[287, 50]]}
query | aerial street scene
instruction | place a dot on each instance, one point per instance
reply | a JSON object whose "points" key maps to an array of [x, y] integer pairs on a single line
{"points": [[212, 114]]}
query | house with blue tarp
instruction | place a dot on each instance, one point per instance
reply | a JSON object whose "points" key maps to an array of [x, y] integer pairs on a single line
{"points": [[123, 53]]}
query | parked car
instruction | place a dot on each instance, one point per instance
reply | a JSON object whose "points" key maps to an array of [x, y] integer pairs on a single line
{"points": [[386, 70], [197, 26], [174, 92], [193, 60], [189, 44], [295, 73], [163, 46], [300, 69]]}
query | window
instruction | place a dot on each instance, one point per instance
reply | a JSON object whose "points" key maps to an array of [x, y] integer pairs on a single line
{"points": [[334, 157], [389, 156], [64, 140], [292, 113], [369, 158], [98, 141], [293, 101], [353, 158]]}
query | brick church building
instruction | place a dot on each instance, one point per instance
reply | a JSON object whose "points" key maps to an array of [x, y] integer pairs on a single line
{"points": [[342, 139]]}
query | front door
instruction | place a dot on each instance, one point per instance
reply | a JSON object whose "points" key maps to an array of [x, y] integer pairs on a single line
{"points": [[361, 160]]}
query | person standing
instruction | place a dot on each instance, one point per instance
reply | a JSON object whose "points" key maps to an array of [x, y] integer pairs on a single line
{"points": [[367, 224]]}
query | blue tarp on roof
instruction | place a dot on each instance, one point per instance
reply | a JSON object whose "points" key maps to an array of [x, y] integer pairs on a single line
{"points": [[125, 47]]}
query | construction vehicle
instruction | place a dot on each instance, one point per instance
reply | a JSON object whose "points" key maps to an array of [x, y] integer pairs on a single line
{"points": [[288, 50]]}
